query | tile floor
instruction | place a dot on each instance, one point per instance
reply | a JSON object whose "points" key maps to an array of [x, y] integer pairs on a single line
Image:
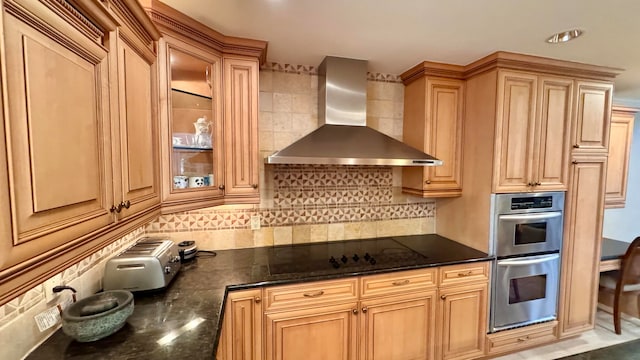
{"points": [[603, 335]]}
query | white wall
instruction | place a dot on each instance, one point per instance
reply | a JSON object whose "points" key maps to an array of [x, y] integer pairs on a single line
{"points": [[624, 224]]}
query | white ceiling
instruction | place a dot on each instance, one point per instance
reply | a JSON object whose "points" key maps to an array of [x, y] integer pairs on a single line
{"points": [[395, 35]]}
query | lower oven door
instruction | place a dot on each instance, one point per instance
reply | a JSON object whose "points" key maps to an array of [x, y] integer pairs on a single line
{"points": [[525, 291]]}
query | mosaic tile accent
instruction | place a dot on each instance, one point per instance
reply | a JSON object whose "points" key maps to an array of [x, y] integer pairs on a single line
{"points": [[384, 77], [307, 195], [313, 70]]}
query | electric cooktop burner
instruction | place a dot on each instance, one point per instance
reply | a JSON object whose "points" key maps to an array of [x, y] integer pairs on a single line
{"points": [[341, 256]]}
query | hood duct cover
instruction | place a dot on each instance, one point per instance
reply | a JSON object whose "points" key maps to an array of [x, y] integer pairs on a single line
{"points": [[343, 137]]}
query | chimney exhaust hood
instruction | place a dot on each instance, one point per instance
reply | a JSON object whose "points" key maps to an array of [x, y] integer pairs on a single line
{"points": [[343, 137]]}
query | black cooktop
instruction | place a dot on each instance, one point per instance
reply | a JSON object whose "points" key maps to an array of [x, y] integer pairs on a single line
{"points": [[339, 256]]}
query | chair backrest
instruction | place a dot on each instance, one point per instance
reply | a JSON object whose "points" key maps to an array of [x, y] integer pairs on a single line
{"points": [[630, 265]]}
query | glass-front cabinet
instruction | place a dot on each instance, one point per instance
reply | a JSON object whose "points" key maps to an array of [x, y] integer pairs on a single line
{"points": [[208, 113], [192, 136]]}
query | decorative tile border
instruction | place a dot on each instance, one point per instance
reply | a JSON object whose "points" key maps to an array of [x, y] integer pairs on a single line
{"points": [[313, 70], [309, 195]]}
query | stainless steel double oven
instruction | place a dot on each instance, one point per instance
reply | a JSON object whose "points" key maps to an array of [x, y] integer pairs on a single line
{"points": [[527, 238]]}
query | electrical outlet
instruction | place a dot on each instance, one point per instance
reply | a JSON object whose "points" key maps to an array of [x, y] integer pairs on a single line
{"points": [[255, 222], [48, 286]]}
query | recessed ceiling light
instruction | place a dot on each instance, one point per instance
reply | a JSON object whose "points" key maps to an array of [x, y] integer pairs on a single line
{"points": [[564, 36]]}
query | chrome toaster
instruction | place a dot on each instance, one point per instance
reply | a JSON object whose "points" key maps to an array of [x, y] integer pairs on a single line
{"points": [[150, 264]]}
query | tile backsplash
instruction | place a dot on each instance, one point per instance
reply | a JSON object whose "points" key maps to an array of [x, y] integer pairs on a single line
{"points": [[299, 204]]}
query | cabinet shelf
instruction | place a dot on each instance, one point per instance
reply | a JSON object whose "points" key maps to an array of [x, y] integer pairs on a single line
{"points": [[192, 148]]}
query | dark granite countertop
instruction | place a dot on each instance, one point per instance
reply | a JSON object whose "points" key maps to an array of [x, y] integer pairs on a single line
{"points": [[612, 249], [197, 294]]}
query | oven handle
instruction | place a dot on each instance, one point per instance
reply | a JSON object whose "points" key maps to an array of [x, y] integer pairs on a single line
{"points": [[528, 261], [531, 217]]}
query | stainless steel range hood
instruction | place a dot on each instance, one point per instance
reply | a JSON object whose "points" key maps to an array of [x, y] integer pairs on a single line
{"points": [[343, 137]]}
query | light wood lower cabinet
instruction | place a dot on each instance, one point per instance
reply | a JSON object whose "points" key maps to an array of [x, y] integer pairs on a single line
{"points": [[241, 336], [462, 311], [328, 332], [394, 316], [398, 327]]}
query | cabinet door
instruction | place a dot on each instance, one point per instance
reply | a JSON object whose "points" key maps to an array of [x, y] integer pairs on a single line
{"points": [[515, 130], [241, 127], [433, 124], [463, 321], [553, 133], [590, 132], [55, 114], [313, 334], [190, 88], [581, 249], [618, 162], [137, 171], [243, 326], [399, 328]]}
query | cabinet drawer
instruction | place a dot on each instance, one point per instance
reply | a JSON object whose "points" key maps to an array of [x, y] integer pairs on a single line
{"points": [[399, 282], [463, 273], [311, 294], [517, 339]]}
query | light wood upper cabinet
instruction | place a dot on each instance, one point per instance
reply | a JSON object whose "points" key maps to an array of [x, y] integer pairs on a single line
{"points": [[205, 74], [591, 131], [241, 126], [620, 137], [532, 132], [581, 245], [433, 113], [137, 170], [56, 117]]}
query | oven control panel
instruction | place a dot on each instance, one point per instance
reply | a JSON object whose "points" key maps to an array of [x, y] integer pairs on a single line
{"points": [[537, 202]]}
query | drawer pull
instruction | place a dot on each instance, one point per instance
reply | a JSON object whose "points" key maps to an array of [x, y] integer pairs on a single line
{"points": [[468, 273], [354, 311], [314, 294], [257, 300], [523, 339], [400, 282]]}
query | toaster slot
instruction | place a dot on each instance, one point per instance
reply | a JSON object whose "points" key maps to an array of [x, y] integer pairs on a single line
{"points": [[130, 267]]}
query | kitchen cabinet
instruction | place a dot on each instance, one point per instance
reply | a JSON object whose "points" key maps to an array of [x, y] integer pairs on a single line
{"points": [[134, 116], [67, 188], [584, 209], [521, 338], [208, 113], [590, 133], [241, 336], [398, 315], [433, 113], [462, 311], [532, 132], [620, 135]]}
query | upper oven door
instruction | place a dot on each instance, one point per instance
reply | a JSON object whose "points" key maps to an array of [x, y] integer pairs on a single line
{"points": [[530, 233]]}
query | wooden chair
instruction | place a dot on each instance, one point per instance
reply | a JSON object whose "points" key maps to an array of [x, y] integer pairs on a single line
{"points": [[625, 280]]}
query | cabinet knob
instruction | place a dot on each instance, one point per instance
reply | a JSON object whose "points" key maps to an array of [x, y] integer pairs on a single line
{"points": [[576, 146], [530, 184], [538, 184], [115, 209], [427, 182], [125, 204], [257, 300], [355, 311], [364, 309], [221, 187], [255, 186], [443, 297], [574, 162]]}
